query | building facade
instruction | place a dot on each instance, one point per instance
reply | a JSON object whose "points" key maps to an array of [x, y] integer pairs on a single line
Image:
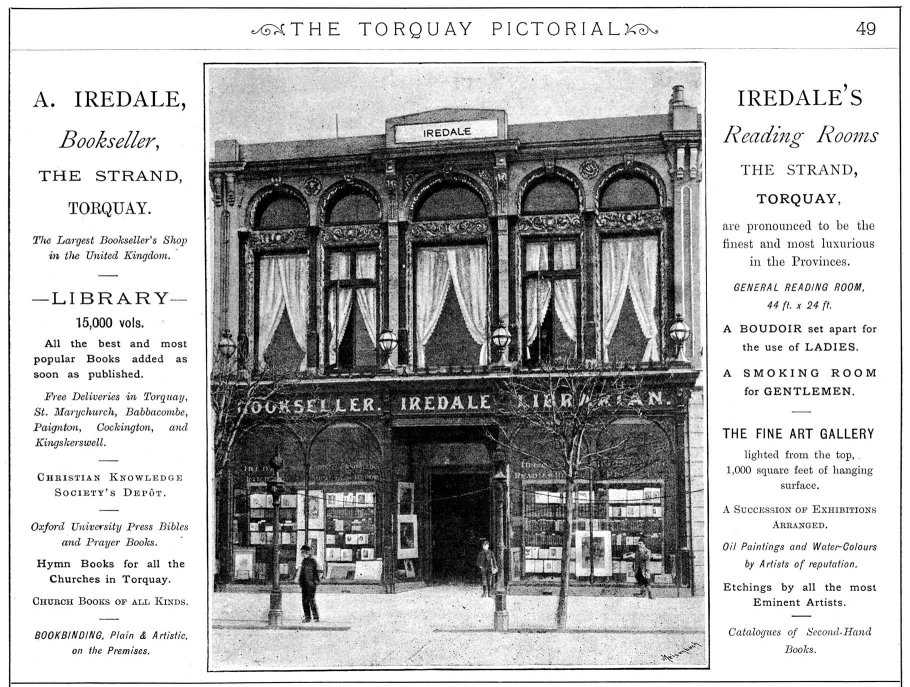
{"points": [[377, 278]]}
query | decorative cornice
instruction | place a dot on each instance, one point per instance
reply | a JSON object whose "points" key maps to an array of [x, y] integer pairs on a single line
{"points": [[448, 229], [550, 224], [352, 233], [648, 221]]}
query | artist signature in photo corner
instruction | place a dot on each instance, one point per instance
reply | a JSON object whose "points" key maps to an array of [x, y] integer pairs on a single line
{"points": [[670, 658]]}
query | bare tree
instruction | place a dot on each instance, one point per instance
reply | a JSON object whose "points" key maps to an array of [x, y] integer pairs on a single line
{"points": [[246, 399], [570, 422]]}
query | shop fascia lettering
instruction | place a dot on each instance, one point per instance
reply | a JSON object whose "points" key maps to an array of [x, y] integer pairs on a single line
{"points": [[441, 402], [320, 405], [619, 400]]}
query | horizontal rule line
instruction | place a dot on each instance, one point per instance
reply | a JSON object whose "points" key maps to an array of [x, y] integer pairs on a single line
{"points": [[431, 48]]}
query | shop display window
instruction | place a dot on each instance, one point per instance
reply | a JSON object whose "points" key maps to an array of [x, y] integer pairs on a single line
{"points": [[254, 529], [615, 515], [350, 533]]}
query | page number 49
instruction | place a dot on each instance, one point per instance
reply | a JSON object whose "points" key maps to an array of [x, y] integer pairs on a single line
{"points": [[866, 28]]}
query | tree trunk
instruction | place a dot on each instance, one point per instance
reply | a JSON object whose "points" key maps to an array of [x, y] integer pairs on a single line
{"points": [[562, 610]]}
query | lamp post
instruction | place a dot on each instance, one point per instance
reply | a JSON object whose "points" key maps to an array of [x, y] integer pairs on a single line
{"points": [[501, 338], [276, 488], [386, 343], [501, 613], [679, 334]]}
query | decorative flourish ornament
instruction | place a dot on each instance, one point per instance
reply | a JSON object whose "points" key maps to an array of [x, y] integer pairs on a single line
{"points": [[269, 30], [639, 29]]}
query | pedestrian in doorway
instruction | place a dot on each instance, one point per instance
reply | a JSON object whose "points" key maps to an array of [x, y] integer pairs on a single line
{"points": [[308, 576], [486, 561], [640, 568]]}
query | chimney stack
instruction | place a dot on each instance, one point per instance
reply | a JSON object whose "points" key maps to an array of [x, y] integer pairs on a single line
{"points": [[682, 116]]}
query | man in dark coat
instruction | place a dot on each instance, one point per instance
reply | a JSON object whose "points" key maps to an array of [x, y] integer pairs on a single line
{"points": [[309, 580], [486, 561], [640, 568]]}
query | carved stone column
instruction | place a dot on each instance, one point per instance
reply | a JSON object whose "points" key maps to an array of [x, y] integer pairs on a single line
{"points": [[686, 243], [392, 259]]}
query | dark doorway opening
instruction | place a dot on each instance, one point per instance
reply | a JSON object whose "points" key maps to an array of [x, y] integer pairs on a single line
{"points": [[460, 517]]}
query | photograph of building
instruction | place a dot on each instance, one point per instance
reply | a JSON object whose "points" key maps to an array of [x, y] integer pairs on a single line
{"points": [[386, 306]]}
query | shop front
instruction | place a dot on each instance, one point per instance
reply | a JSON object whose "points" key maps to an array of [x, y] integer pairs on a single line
{"points": [[395, 488]]}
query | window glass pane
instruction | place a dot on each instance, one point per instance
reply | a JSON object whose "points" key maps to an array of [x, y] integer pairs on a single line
{"points": [[339, 265], [550, 195], [282, 212], [283, 354], [451, 202], [564, 255], [451, 343], [353, 208], [366, 265], [536, 257], [630, 192], [628, 342]]}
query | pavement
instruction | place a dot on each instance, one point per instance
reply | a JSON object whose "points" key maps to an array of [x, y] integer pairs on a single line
{"points": [[451, 626]]}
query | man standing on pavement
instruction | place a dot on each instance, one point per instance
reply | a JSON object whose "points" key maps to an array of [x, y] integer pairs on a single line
{"points": [[486, 561], [309, 580], [640, 568]]}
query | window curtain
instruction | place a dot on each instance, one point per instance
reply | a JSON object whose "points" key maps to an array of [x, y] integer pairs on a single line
{"points": [[630, 266], [643, 290], [537, 291], [564, 290], [366, 297], [615, 261], [283, 286], [431, 283], [340, 300], [468, 268]]}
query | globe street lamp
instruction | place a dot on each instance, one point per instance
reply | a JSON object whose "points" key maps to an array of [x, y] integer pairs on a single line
{"points": [[501, 338], [226, 345], [386, 344], [501, 613], [679, 333], [275, 488]]}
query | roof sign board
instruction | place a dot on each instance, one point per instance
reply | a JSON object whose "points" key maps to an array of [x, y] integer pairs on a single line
{"points": [[437, 132]]}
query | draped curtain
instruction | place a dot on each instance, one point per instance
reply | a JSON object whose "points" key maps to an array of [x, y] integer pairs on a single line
{"points": [[431, 283], [564, 290], [643, 289], [537, 291], [468, 267], [465, 267], [629, 265], [340, 300], [283, 287], [366, 297]]}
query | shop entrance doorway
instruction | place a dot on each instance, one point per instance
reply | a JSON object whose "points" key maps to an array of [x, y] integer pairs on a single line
{"points": [[460, 521]]}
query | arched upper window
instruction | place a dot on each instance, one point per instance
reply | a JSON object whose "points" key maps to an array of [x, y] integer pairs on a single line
{"points": [[629, 192], [450, 202], [549, 195], [353, 208], [282, 212]]}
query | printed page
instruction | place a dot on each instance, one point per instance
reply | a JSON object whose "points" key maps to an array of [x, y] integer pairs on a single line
{"points": [[434, 344]]}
